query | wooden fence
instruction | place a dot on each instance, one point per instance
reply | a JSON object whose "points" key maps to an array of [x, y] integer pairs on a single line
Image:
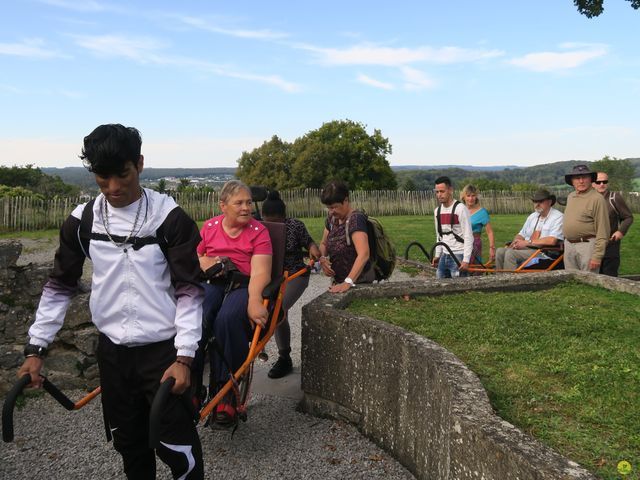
{"points": [[26, 213]]}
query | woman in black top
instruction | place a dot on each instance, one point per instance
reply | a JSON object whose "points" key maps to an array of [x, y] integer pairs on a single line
{"points": [[297, 239], [347, 261]]}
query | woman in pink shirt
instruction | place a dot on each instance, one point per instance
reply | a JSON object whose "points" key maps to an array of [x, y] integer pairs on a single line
{"points": [[228, 313]]}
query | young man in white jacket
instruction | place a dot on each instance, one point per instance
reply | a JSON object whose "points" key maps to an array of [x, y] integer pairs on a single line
{"points": [[146, 302]]}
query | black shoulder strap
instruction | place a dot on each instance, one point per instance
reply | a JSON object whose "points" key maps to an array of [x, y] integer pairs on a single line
{"points": [[85, 234], [86, 224], [450, 232]]}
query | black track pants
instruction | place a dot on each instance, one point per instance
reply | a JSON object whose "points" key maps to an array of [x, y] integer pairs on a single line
{"points": [[130, 377]]}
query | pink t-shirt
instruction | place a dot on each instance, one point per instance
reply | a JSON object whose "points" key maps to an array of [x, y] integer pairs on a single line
{"points": [[254, 240]]}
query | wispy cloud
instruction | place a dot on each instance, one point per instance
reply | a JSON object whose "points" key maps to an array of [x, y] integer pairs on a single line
{"points": [[577, 54], [372, 82], [42, 92], [213, 27], [416, 79], [79, 5], [369, 54], [147, 50], [142, 49], [30, 48], [11, 89]]}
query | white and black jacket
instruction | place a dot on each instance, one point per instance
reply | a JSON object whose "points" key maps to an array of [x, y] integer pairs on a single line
{"points": [[140, 297]]}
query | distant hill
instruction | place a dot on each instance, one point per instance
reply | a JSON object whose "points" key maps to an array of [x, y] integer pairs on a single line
{"points": [[550, 174], [84, 179], [495, 168], [422, 176]]}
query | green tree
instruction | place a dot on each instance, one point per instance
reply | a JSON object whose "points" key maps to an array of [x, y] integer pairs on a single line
{"points": [[35, 180], [593, 8], [6, 191], [162, 186], [409, 185], [269, 164], [184, 184], [485, 184], [342, 149], [525, 187], [621, 172]]}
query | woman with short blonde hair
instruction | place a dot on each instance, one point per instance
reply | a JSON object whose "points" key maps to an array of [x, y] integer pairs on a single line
{"points": [[470, 196]]}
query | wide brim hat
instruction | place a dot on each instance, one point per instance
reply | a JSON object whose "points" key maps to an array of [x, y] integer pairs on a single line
{"points": [[543, 194], [580, 170]]}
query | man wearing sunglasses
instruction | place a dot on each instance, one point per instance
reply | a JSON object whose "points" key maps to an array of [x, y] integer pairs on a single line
{"points": [[620, 219]]}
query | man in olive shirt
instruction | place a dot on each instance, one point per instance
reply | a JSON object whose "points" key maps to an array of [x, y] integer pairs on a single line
{"points": [[586, 222], [620, 219]]}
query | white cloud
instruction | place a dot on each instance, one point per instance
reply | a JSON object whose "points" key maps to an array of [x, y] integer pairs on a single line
{"points": [[31, 48], [208, 26], [373, 82], [368, 54], [577, 55], [149, 51], [416, 80]]}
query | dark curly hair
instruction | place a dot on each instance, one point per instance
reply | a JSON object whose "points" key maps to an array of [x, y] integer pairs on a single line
{"points": [[109, 147]]}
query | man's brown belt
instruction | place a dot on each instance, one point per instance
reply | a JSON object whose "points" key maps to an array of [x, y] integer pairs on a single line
{"points": [[580, 239]]}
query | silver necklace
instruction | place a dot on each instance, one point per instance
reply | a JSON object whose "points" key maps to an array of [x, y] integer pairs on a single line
{"points": [[105, 221]]}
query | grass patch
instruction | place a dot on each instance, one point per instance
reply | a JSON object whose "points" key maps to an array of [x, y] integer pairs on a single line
{"points": [[406, 229], [562, 364]]}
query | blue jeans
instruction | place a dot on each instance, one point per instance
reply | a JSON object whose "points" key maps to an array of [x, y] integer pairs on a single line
{"points": [[448, 268]]}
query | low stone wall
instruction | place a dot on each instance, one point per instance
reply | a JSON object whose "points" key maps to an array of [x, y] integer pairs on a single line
{"points": [[72, 362], [413, 397]]}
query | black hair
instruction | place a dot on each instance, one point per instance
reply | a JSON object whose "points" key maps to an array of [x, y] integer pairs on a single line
{"points": [[109, 147], [443, 179], [273, 206], [335, 191]]}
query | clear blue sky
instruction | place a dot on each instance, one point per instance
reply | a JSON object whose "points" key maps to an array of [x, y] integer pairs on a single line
{"points": [[464, 82]]}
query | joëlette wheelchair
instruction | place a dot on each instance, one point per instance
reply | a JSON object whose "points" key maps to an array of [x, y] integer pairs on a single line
{"points": [[542, 259], [239, 382]]}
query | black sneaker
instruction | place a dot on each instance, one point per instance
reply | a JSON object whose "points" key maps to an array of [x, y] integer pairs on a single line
{"points": [[282, 367]]}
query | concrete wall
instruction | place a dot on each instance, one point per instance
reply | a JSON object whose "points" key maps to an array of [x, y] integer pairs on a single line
{"points": [[413, 397]]}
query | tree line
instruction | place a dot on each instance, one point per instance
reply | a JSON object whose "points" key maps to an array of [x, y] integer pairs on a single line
{"points": [[340, 149]]}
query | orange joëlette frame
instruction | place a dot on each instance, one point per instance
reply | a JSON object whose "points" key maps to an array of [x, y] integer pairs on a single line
{"points": [[257, 344]]}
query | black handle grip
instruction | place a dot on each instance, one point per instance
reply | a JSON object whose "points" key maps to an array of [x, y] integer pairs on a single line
{"points": [[58, 395], [419, 245], [446, 247], [155, 415], [8, 406]]}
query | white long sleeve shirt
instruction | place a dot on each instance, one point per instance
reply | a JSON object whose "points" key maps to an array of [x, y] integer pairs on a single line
{"points": [[458, 222]]}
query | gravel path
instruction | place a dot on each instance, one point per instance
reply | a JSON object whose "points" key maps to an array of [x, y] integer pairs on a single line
{"points": [[277, 442]]}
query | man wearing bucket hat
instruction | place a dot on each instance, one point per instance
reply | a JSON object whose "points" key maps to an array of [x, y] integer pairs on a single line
{"points": [[586, 222], [543, 228]]}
